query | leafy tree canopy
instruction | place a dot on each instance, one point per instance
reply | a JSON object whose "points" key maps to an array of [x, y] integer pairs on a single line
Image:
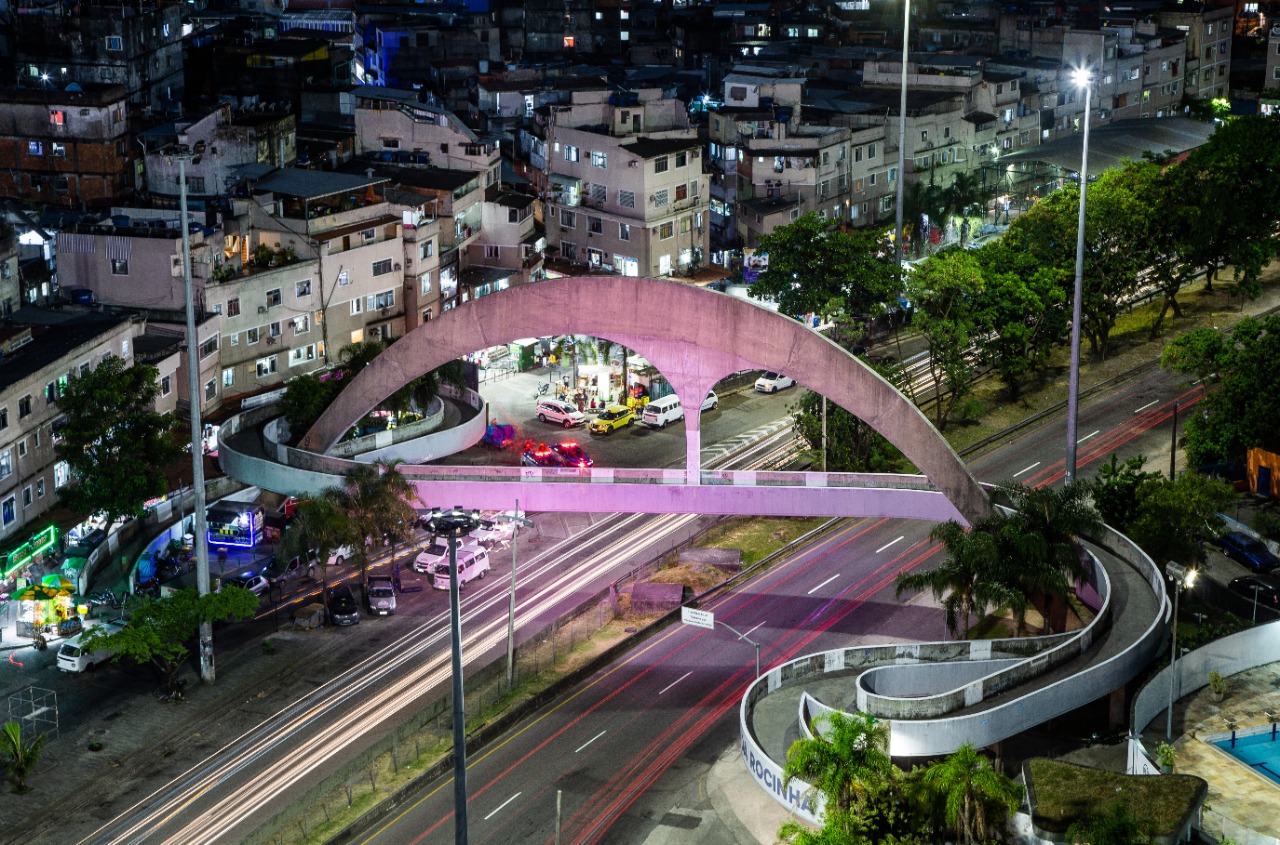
{"points": [[1115, 490], [852, 445], [1174, 517], [845, 276], [115, 442]]}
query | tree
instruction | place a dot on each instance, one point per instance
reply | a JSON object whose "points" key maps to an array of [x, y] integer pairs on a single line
{"points": [[322, 524], [1115, 490], [845, 276], [965, 573], [21, 756], [977, 799], [1059, 516], [114, 442], [377, 498], [847, 765], [852, 444], [305, 399], [160, 631], [1113, 826], [1174, 517], [944, 290], [1022, 314], [1238, 412]]}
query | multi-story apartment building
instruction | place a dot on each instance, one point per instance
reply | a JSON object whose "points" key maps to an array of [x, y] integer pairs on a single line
{"points": [[10, 288], [42, 350], [69, 149], [552, 30], [627, 189], [1208, 29], [1272, 78], [103, 42], [421, 226], [406, 44]]}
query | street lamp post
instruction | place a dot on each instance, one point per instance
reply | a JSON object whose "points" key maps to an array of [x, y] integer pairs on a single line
{"points": [[518, 522], [1082, 78], [198, 528], [1181, 577], [453, 524], [902, 139], [1255, 588]]}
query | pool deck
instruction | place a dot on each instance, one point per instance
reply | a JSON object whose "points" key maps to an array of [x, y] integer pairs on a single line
{"points": [[1239, 799]]}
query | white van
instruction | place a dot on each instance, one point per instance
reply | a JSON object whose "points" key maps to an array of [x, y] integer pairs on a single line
{"points": [[473, 563], [73, 658], [659, 412]]}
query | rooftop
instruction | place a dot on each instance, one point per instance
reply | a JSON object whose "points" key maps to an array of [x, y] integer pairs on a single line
{"points": [[55, 335]]}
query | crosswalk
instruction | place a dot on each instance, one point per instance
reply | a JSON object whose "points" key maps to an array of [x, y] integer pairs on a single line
{"points": [[724, 448]]}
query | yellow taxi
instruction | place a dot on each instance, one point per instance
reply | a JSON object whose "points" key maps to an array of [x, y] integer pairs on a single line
{"points": [[612, 418]]}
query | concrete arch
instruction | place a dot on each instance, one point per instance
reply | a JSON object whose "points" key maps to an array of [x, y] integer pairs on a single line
{"points": [[694, 336]]}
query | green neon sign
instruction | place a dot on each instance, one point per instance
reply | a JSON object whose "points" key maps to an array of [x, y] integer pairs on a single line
{"points": [[39, 543]]}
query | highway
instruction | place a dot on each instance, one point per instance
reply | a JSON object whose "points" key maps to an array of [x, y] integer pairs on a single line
{"points": [[625, 730]]}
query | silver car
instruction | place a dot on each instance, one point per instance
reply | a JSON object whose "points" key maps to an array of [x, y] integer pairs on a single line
{"points": [[380, 593], [561, 413]]}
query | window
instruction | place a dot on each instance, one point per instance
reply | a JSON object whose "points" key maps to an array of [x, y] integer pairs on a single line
{"points": [[568, 219], [871, 180], [893, 175], [302, 324], [425, 281], [22, 448], [357, 307], [682, 159], [924, 135], [251, 337], [233, 307], [624, 231], [344, 278], [24, 407], [513, 215], [568, 251], [115, 42], [571, 153], [627, 199], [599, 159], [59, 150], [26, 497], [302, 354], [425, 249], [871, 151], [119, 266], [209, 347], [302, 288], [210, 390], [228, 377], [4, 418], [7, 515], [491, 251], [595, 226], [35, 148], [667, 230], [682, 192], [39, 488], [385, 299], [266, 366], [661, 198], [273, 298], [382, 268], [6, 463], [273, 330], [660, 164]]}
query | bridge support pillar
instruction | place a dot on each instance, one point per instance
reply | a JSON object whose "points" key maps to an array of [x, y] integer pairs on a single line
{"points": [[693, 446]]}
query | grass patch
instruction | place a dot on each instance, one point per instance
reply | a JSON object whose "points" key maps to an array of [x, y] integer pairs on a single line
{"points": [[757, 537], [1065, 793]]}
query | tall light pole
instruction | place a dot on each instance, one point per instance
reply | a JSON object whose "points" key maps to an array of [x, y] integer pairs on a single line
{"points": [[207, 673], [1082, 78], [517, 522], [1182, 577], [902, 140], [452, 525]]}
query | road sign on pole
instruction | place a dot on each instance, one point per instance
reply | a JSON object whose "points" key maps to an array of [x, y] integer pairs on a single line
{"points": [[698, 618]]}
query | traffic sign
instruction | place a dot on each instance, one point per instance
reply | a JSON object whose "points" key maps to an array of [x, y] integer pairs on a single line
{"points": [[697, 618]]}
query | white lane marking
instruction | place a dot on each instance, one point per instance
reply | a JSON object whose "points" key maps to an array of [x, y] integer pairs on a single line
{"points": [[1148, 405], [504, 803], [749, 630], [823, 584], [1028, 469], [673, 683], [890, 544], [588, 742], [1086, 437]]}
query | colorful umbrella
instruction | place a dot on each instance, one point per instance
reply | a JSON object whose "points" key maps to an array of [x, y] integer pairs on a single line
{"points": [[38, 592], [58, 582]]}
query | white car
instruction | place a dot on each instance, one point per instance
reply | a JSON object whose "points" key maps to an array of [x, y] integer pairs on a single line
{"points": [[437, 553], [772, 382], [560, 413], [496, 528], [711, 402]]}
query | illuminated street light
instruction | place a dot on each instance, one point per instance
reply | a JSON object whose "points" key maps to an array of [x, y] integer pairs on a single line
{"points": [[454, 524], [1182, 577], [1083, 79]]}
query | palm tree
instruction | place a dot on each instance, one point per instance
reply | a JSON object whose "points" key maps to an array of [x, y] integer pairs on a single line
{"points": [[322, 524], [963, 577], [378, 497], [847, 765], [976, 797], [22, 756]]}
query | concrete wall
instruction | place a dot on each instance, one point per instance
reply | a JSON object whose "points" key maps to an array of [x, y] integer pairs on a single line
{"points": [[372, 446]]}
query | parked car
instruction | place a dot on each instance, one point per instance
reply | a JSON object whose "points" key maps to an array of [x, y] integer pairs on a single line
{"points": [[612, 418], [343, 609], [437, 552], [560, 413], [73, 657], [772, 382], [541, 455], [711, 402], [259, 585], [1248, 551], [571, 454], [1267, 589], [380, 594], [473, 563], [299, 566]]}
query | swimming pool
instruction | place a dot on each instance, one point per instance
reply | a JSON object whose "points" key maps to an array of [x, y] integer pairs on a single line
{"points": [[1257, 748]]}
